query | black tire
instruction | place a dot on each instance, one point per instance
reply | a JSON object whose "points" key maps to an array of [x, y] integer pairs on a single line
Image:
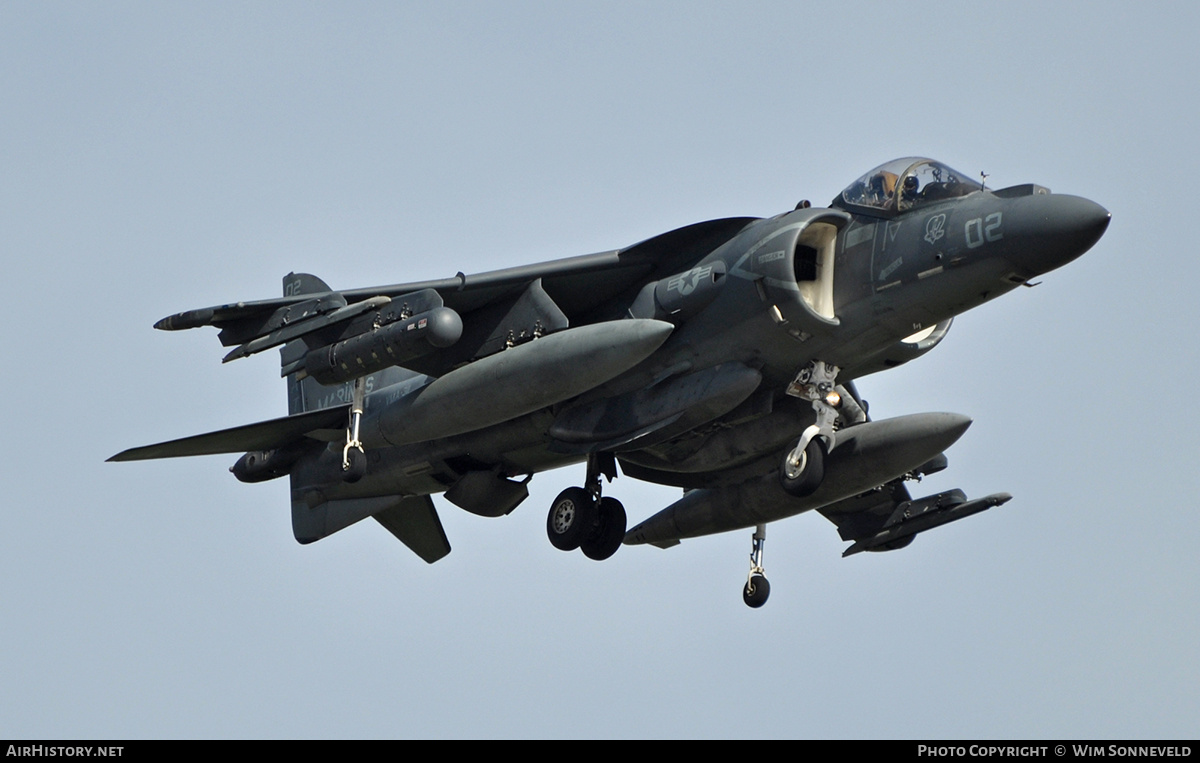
{"points": [[756, 591], [804, 480], [358, 466], [571, 518], [606, 537]]}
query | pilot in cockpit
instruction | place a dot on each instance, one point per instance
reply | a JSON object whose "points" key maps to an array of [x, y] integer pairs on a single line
{"points": [[908, 193], [883, 185]]}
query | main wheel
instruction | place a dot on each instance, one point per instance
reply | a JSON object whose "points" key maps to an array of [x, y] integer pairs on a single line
{"points": [[606, 538], [756, 591], [571, 518], [803, 477]]}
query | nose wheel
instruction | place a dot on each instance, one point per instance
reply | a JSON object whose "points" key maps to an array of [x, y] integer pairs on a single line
{"points": [[803, 466]]}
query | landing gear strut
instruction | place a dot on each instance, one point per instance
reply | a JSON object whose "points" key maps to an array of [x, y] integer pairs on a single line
{"points": [[354, 458], [581, 518], [757, 589]]}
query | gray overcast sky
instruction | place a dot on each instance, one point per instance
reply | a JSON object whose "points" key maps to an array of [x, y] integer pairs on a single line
{"points": [[156, 157]]}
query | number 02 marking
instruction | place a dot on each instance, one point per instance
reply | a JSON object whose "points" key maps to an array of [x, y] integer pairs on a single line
{"points": [[977, 233]]}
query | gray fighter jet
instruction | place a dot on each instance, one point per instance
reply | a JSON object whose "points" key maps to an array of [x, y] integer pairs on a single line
{"points": [[719, 358]]}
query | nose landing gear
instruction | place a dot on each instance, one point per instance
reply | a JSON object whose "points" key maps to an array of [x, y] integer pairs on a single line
{"points": [[803, 466]]}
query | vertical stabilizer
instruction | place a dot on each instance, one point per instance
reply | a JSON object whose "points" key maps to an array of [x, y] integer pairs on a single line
{"points": [[307, 394]]}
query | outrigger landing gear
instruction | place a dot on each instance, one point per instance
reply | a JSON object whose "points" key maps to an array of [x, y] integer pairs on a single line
{"points": [[354, 458], [803, 466], [581, 518], [757, 589]]}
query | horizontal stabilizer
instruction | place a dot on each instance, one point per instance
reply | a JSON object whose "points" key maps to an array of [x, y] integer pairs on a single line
{"points": [[264, 435], [310, 523], [412, 519], [415, 522]]}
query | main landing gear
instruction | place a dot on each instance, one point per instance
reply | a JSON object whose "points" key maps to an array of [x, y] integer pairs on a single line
{"points": [[581, 518]]}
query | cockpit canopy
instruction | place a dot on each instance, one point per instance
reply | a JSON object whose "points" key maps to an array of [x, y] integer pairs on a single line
{"points": [[904, 184]]}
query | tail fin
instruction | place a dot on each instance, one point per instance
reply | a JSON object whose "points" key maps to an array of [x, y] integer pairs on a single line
{"points": [[304, 394], [412, 519], [307, 394]]}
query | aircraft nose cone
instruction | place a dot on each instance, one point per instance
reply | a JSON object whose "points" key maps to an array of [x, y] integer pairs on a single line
{"points": [[1055, 228], [1076, 223]]}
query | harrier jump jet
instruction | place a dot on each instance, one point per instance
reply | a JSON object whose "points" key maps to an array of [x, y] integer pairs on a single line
{"points": [[719, 358]]}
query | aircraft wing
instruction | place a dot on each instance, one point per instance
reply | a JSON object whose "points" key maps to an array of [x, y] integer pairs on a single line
{"points": [[888, 518], [863, 515], [578, 284], [553, 295], [472, 291], [323, 424]]}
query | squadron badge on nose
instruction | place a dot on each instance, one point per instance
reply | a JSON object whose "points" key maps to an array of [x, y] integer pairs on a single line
{"points": [[935, 228]]}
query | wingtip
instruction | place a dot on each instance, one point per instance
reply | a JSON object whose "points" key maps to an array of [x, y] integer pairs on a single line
{"points": [[129, 454]]}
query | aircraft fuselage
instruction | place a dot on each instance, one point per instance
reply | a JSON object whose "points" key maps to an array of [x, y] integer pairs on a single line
{"points": [[887, 278]]}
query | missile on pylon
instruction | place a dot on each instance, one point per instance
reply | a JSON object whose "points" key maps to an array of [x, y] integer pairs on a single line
{"points": [[389, 345]]}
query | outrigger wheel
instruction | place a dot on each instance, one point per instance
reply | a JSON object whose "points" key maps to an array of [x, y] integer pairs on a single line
{"points": [[757, 589], [354, 458], [354, 464]]}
